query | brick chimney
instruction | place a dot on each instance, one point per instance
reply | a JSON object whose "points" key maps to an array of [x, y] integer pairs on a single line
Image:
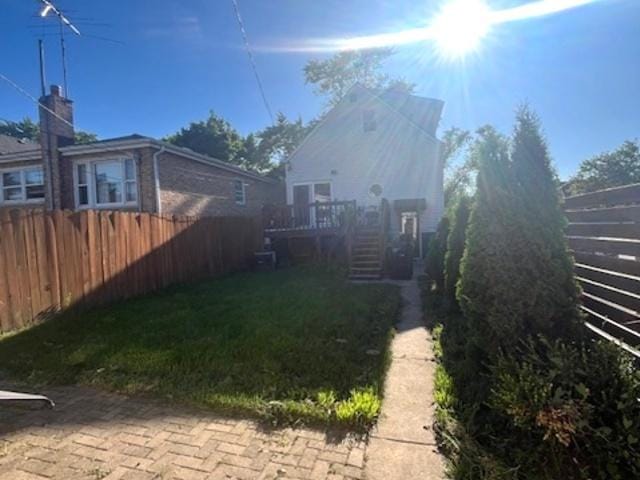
{"points": [[56, 130]]}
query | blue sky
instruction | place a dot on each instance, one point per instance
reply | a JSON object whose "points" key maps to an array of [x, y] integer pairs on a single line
{"points": [[580, 69]]}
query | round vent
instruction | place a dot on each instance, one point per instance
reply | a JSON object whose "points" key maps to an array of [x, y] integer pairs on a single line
{"points": [[375, 190]]}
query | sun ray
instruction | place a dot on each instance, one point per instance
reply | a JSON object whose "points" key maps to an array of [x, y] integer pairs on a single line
{"points": [[457, 28]]}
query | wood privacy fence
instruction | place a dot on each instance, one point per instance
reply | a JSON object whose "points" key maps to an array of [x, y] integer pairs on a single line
{"points": [[54, 260], [604, 234]]}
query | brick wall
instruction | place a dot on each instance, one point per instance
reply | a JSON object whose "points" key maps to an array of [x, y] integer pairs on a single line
{"points": [[193, 188]]}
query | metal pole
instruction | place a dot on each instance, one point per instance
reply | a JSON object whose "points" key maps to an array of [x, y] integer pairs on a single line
{"points": [[43, 80], [64, 58]]}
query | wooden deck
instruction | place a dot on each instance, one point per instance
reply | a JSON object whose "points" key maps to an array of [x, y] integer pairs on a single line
{"points": [[311, 220]]}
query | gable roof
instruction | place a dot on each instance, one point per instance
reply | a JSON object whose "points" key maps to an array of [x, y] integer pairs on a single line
{"points": [[423, 111], [10, 145], [414, 111]]}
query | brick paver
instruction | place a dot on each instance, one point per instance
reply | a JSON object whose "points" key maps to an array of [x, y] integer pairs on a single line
{"points": [[95, 435]]}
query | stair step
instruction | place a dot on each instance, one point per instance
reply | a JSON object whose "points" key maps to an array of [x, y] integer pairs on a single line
{"points": [[360, 271], [364, 277], [367, 262], [365, 256]]}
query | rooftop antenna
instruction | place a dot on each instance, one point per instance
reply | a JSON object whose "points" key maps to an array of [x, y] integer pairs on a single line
{"points": [[43, 80], [47, 8]]}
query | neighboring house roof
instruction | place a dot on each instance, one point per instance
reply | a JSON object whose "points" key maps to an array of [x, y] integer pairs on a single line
{"points": [[13, 150], [140, 141], [10, 145]]}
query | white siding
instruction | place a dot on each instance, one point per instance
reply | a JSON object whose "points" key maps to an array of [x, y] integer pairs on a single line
{"points": [[397, 155]]}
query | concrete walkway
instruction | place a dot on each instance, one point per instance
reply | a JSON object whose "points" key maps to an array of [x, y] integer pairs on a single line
{"points": [[403, 445]]}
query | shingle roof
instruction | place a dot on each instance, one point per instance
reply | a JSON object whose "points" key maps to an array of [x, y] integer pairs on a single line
{"points": [[10, 145]]}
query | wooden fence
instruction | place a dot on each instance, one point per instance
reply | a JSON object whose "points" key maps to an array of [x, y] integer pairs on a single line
{"points": [[604, 233], [54, 260]]}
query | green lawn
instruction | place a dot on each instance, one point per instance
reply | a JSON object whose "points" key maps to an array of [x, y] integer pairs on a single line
{"points": [[296, 344]]}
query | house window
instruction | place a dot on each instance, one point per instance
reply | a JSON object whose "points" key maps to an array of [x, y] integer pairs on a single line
{"points": [[322, 192], [106, 183], [369, 120], [22, 186], [239, 192]]}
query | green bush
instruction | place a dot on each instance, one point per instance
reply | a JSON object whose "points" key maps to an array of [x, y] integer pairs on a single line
{"points": [[434, 267], [516, 273], [576, 407], [455, 246]]}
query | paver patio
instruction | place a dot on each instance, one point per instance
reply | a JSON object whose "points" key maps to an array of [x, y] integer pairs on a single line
{"points": [[95, 435]]}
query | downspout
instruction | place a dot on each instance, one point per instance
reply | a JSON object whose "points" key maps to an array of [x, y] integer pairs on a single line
{"points": [[156, 178]]}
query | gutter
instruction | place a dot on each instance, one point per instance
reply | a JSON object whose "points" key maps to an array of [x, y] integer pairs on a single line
{"points": [[156, 178]]}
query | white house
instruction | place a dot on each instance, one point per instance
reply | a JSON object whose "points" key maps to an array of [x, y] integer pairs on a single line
{"points": [[373, 145]]}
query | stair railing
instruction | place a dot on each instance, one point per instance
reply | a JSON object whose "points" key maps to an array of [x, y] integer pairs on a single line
{"points": [[385, 220]]}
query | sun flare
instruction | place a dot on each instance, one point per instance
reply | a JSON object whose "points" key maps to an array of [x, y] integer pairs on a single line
{"points": [[456, 30], [460, 26]]}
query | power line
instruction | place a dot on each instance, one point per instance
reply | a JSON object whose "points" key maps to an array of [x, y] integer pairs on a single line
{"points": [[22, 91], [247, 47]]}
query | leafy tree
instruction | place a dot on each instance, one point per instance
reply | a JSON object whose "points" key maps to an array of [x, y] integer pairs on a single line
{"points": [[455, 245], [25, 128], [458, 177], [609, 169], [279, 140], [334, 76], [82, 138], [214, 137]]}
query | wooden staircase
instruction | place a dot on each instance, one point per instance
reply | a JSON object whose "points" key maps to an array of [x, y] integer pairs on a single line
{"points": [[366, 254]]}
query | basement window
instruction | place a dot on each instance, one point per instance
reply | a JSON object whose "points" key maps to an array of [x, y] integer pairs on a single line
{"points": [[21, 186], [369, 123], [239, 192]]}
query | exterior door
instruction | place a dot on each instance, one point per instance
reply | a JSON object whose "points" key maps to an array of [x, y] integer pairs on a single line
{"points": [[301, 195]]}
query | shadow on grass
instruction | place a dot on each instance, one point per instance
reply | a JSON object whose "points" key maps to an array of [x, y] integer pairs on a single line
{"points": [[288, 347]]}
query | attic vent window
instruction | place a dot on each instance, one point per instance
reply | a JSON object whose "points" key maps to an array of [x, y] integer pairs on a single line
{"points": [[369, 123]]}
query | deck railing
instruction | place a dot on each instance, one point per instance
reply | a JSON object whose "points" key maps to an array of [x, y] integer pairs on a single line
{"points": [[312, 216]]}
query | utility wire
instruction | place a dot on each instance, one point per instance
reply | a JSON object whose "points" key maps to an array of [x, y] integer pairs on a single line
{"points": [[247, 47], [23, 92]]}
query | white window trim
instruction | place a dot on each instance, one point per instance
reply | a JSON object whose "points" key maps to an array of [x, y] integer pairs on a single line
{"points": [[91, 187], [311, 191], [244, 191], [22, 186]]}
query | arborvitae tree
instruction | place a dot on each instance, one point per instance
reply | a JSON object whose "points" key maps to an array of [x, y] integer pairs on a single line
{"points": [[493, 287], [435, 254], [455, 246], [553, 291]]}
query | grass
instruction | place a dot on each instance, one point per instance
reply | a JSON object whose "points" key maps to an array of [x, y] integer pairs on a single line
{"points": [[300, 344], [467, 458]]}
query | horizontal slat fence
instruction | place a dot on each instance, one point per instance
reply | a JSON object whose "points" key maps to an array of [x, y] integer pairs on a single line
{"points": [[604, 234], [54, 260]]}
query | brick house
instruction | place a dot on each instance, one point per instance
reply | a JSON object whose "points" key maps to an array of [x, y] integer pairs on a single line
{"points": [[134, 173]]}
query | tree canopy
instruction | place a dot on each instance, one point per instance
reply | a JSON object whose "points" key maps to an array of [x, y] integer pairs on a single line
{"points": [[334, 76], [261, 151], [606, 170], [27, 128]]}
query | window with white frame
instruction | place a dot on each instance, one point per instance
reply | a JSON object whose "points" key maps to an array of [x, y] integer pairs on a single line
{"points": [[106, 183], [22, 185], [239, 192]]}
